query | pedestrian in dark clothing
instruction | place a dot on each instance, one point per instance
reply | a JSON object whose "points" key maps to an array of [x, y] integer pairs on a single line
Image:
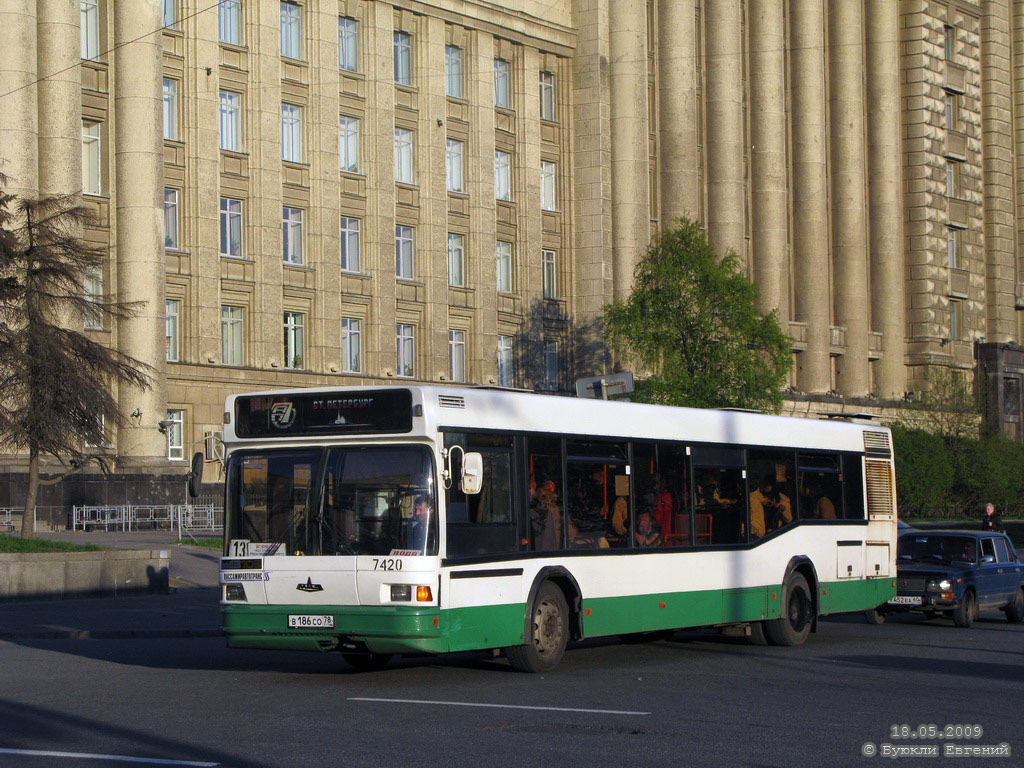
{"points": [[991, 520]]}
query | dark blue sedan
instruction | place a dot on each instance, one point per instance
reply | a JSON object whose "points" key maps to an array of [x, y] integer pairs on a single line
{"points": [[955, 573]]}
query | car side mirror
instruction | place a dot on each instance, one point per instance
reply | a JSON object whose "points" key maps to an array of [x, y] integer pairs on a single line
{"points": [[195, 476], [472, 474], [988, 559]]}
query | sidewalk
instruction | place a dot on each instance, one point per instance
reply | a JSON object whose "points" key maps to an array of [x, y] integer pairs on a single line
{"points": [[192, 608]]}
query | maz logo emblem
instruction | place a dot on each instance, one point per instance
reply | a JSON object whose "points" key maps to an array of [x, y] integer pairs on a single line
{"points": [[309, 586]]}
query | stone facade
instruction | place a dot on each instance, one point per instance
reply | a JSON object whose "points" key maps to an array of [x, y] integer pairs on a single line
{"points": [[860, 157]]}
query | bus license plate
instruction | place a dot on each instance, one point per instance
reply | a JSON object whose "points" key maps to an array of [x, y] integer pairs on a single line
{"points": [[905, 600], [307, 621]]}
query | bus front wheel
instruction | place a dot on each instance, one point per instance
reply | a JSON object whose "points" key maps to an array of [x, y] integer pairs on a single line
{"points": [[548, 633], [794, 625]]}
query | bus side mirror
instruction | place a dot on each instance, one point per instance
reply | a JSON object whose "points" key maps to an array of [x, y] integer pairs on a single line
{"points": [[472, 474], [195, 477]]}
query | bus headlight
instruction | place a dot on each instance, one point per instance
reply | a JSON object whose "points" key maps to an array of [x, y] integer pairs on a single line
{"points": [[401, 592], [234, 592]]}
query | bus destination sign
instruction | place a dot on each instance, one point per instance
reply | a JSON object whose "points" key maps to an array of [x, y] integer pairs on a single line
{"points": [[320, 413]]}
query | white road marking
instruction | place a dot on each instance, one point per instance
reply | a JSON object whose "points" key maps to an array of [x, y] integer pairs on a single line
{"points": [[498, 706], [89, 756]]}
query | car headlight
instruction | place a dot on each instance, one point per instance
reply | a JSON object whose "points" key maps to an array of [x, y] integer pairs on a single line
{"points": [[945, 585]]}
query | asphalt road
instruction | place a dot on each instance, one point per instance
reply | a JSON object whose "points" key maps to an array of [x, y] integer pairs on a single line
{"points": [[699, 699]]}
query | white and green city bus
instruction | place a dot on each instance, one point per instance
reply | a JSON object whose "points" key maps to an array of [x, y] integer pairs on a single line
{"points": [[423, 519]]}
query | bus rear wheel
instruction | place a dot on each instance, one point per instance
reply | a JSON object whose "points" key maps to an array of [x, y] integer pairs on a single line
{"points": [[548, 633], [874, 616], [794, 625]]}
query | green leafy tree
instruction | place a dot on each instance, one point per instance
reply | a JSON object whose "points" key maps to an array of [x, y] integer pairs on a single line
{"points": [[924, 469], [55, 381], [693, 328]]}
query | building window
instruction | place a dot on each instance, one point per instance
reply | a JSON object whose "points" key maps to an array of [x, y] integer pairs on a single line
{"points": [[456, 151], [170, 13], [453, 71], [550, 269], [502, 175], [92, 174], [294, 339], [291, 133], [291, 230], [457, 356], [351, 345], [170, 109], [953, 248], [952, 179], [405, 344], [229, 21], [952, 111], [403, 58], [956, 319], [504, 258], [175, 434], [170, 218], [231, 121], [547, 96], [348, 44], [548, 173], [506, 370], [456, 259], [172, 329], [90, 28], [348, 143], [502, 84], [230, 227], [232, 335], [291, 30], [948, 42], [404, 263], [550, 364], [93, 291], [403, 156], [350, 261]]}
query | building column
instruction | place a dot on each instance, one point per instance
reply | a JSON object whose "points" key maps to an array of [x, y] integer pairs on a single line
{"points": [[769, 214], [849, 216], [810, 192], [997, 172], [18, 119], [60, 98], [677, 105], [631, 215], [725, 146], [138, 191], [885, 183]]}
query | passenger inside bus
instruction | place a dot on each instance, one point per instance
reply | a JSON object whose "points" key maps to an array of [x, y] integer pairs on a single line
{"points": [[769, 508], [647, 533], [545, 516]]}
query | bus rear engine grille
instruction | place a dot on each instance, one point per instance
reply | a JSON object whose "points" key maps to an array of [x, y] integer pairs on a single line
{"points": [[877, 443], [451, 401]]}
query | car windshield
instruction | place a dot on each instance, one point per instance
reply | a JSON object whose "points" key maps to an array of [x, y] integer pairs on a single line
{"points": [[373, 500], [923, 548]]}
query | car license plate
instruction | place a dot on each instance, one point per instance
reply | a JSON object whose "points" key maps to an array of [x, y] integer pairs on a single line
{"points": [[905, 600], [307, 621]]}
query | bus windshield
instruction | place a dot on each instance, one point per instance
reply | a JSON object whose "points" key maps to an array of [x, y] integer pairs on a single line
{"points": [[374, 500]]}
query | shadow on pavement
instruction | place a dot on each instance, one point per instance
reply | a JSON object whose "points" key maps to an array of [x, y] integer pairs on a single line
{"points": [[31, 727], [961, 668]]}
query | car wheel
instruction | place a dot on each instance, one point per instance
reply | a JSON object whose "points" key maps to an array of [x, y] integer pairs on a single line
{"points": [[548, 633], [964, 614], [794, 625], [1015, 610], [874, 616]]}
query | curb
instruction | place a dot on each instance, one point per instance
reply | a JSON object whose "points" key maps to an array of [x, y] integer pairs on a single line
{"points": [[114, 634]]}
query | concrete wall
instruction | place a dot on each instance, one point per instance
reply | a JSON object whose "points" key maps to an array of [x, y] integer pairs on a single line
{"points": [[60, 575]]}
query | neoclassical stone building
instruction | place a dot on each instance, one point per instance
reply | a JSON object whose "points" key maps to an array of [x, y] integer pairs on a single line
{"points": [[310, 192]]}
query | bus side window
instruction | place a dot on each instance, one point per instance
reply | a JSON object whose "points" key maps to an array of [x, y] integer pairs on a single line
{"points": [[772, 485], [544, 494], [483, 523], [721, 509], [821, 489], [853, 487]]}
